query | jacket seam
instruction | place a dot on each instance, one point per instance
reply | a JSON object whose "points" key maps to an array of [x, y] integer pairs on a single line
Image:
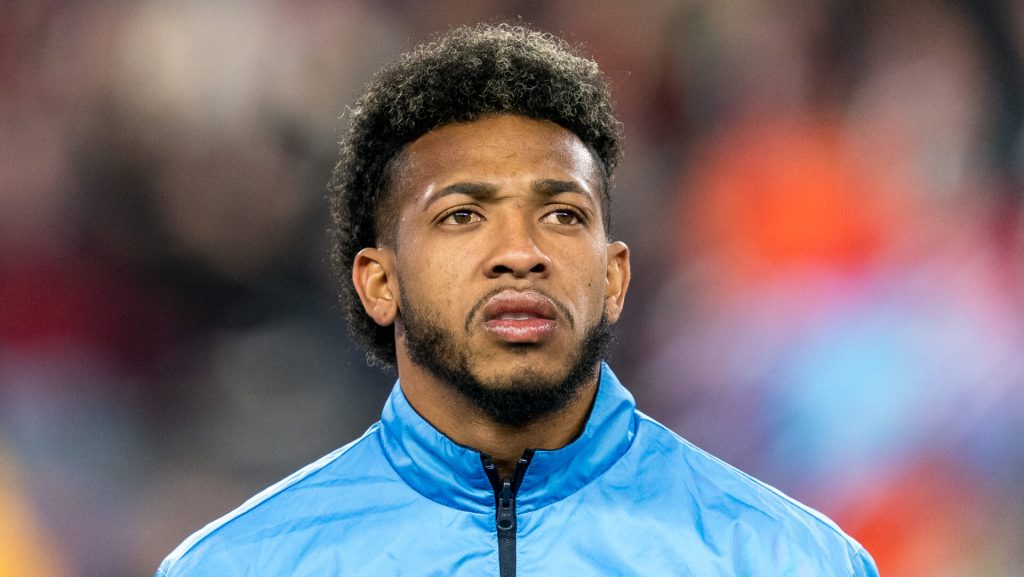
{"points": [[258, 500], [818, 518], [857, 554]]}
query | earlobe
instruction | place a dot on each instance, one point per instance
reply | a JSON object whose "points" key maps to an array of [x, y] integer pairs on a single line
{"points": [[371, 275], [616, 280]]}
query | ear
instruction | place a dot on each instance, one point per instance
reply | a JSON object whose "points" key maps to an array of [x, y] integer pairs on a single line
{"points": [[616, 280], [372, 275]]}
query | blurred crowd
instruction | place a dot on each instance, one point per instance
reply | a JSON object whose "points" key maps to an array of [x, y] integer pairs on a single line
{"points": [[823, 201]]}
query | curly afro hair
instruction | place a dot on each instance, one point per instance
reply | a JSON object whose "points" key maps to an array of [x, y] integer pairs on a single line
{"points": [[462, 75]]}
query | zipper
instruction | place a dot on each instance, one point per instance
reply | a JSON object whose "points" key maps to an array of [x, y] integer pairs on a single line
{"points": [[505, 491]]}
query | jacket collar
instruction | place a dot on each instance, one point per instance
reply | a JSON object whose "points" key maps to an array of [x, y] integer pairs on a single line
{"points": [[453, 475]]}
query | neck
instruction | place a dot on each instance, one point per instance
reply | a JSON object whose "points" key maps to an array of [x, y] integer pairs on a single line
{"points": [[466, 424]]}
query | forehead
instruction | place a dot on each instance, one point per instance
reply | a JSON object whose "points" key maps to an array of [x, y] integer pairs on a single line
{"points": [[496, 148]]}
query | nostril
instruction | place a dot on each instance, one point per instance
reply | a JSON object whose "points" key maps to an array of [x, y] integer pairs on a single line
{"points": [[539, 267], [501, 269]]}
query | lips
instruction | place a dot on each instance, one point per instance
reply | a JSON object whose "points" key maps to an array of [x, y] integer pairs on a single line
{"points": [[520, 316]]}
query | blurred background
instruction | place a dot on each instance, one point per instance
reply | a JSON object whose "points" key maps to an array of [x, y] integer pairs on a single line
{"points": [[823, 199]]}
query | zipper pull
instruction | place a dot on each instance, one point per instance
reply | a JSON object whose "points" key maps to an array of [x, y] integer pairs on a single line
{"points": [[504, 499], [506, 509]]}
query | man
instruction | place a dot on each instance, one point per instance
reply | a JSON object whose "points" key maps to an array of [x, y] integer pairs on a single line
{"points": [[471, 205]]}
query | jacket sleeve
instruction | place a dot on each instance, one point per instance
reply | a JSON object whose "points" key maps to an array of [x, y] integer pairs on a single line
{"points": [[863, 564]]}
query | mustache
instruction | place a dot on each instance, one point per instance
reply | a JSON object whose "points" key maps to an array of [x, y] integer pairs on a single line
{"points": [[475, 309]]}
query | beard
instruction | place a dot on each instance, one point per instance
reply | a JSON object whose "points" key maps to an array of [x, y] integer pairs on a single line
{"points": [[513, 400]]}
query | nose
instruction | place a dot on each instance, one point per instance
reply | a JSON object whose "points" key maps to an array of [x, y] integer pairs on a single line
{"points": [[516, 252]]}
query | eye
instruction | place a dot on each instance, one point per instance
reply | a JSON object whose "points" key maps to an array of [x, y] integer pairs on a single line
{"points": [[461, 216], [563, 216]]}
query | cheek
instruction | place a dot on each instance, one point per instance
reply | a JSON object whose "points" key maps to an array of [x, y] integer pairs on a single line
{"points": [[589, 279], [444, 273], [432, 280]]}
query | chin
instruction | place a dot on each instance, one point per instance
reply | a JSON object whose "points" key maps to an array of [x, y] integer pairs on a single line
{"points": [[518, 377]]}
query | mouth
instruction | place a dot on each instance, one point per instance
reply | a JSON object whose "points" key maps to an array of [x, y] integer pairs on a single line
{"points": [[520, 317]]}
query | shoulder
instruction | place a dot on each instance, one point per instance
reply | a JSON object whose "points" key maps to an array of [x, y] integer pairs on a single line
{"points": [[273, 513], [729, 504]]}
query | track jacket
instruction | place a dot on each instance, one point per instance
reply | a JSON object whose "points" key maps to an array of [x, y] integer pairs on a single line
{"points": [[628, 497]]}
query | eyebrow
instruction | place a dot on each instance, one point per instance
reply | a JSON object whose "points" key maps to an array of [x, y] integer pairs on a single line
{"points": [[483, 191], [551, 187], [474, 190]]}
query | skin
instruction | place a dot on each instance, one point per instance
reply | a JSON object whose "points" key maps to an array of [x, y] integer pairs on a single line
{"points": [[503, 202]]}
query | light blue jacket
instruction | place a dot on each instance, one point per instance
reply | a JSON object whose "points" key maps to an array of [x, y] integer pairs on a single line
{"points": [[628, 497]]}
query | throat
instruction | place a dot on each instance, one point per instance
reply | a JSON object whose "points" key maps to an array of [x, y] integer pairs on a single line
{"points": [[504, 467], [506, 444]]}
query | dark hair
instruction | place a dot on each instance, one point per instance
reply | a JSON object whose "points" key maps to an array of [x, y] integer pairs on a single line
{"points": [[467, 73]]}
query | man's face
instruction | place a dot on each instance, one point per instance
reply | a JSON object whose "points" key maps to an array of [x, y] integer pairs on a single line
{"points": [[502, 266]]}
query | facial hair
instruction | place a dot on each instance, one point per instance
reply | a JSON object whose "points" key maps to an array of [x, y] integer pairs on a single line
{"points": [[513, 400]]}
